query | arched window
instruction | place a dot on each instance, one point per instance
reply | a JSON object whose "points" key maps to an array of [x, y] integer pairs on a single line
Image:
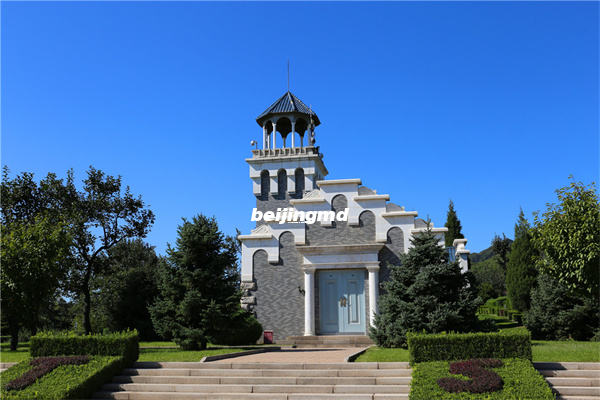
{"points": [[264, 183], [281, 182], [299, 178]]}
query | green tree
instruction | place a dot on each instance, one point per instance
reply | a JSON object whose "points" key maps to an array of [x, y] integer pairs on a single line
{"points": [[101, 216], [521, 273], [35, 242], [31, 273], [557, 314], [568, 236], [122, 293], [425, 292], [490, 278], [199, 285], [453, 225], [501, 248], [98, 218]]}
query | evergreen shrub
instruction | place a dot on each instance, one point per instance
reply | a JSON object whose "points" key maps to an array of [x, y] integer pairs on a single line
{"points": [[462, 346], [246, 332], [64, 382], [124, 344]]}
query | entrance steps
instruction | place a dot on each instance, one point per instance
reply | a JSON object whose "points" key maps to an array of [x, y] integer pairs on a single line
{"points": [[264, 381], [327, 341], [572, 380]]}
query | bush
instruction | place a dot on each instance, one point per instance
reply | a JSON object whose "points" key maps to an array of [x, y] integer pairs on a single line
{"points": [[521, 381], [425, 293], [247, 331], [64, 382], [41, 367], [125, 344], [424, 347], [557, 314]]}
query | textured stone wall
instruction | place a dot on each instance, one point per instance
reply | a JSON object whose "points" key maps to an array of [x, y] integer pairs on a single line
{"points": [[279, 304], [390, 254], [341, 232]]}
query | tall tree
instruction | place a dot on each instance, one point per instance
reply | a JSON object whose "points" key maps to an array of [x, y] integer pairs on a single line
{"points": [[199, 285], [35, 243], [123, 292], [521, 273], [569, 238], [501, 248], [453, 225], [426, 292], [31, 271], [101, 216]]}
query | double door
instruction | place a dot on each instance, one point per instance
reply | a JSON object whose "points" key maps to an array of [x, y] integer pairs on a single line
{"points": [[342, 301]]}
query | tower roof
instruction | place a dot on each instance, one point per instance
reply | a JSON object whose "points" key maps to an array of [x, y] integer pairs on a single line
{"points": [[286, 104]]}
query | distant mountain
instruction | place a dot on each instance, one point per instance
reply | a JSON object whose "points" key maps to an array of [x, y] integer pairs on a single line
{"points": [[483, 255]]}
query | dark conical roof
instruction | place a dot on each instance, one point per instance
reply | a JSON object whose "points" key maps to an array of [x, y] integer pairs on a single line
{"points": [[288, 103]]}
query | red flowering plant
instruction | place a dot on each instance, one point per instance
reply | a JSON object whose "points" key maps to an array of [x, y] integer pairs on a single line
{"points": [[482, 380]]}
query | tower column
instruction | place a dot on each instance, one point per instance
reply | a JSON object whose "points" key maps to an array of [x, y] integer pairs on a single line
{"points": [[274, 135], [309, 301], [373, 291], [265, 143], [293, 134]]}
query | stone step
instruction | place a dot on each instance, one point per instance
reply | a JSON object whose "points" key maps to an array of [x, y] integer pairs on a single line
{"points": [[576, 391], [567, 366], [577, 373], [250, 388], [401, 372], [254, 380], [267, 366], [245, 396], [326, 341], [574, 381]]}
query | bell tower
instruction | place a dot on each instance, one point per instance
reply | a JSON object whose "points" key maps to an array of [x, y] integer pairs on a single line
{"points": [[288, 165]]}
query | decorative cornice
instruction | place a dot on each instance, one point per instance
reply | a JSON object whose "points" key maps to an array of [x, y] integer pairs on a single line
{"points": [[372, 197], [400, 214], [344, 249], [340, 182]]}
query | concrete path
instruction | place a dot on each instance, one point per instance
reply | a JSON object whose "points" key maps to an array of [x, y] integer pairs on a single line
{"points": [[289, 355]]}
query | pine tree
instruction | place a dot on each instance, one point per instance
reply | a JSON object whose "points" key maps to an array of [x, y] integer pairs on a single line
{"points": [[426, 292], [199, 286], [453, 225], [521, 273]]}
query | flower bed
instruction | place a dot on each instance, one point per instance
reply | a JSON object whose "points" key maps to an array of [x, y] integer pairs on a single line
{"points": [[42, 366], [520, 381], [482, 378]]}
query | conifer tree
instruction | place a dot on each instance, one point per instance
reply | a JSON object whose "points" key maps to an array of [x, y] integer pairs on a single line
{"points": [[425, 292], [199, 286], [453, 225], [521, 274]]}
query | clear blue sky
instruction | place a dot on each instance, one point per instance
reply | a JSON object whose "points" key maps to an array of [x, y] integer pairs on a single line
{"points": [[490, 104]]}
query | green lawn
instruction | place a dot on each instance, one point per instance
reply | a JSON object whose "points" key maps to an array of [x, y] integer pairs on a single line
{"points": [[380, 354], [172, 353]]}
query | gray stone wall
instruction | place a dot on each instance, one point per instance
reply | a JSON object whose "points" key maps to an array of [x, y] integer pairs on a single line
{"points": [[390, 254], [341, 232], [279, 304]]}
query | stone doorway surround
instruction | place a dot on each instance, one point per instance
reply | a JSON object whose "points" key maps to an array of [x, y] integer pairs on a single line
{"points": [[339, 257]]}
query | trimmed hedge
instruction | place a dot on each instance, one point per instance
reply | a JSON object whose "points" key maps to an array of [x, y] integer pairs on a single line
{"points": [[64, 382], [521, 381], [125, 344], [462, 346]]}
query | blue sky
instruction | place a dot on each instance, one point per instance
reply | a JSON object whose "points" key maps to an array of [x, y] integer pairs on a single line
{"points": [[490, 104]]}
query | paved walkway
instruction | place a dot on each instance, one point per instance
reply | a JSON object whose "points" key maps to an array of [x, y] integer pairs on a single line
{"points": [[289, 355]]}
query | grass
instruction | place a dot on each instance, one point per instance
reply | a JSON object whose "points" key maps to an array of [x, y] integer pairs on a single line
{"points": [[148, 352], [380, 354], [180, 355]]}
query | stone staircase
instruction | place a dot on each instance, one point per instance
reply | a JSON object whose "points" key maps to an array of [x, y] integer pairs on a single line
{"points": [[5, 366], [327, 341], [265, 381], [571, 380]]}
